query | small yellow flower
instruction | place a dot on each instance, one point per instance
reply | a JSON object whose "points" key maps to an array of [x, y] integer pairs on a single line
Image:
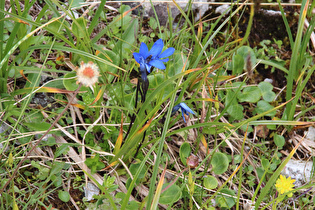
{"points": [[284, 185], [88, 73]]}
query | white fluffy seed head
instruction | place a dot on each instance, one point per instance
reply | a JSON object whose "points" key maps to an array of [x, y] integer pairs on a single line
{"points": [[88, 73]]}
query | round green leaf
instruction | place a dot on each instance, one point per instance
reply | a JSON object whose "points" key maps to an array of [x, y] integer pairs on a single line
{"points": [[70, 84], [266, 91], [210, 182], [279, 140], [263, 106], [236, 111], [249, 94], [171, 195], [220, 163], [184, 152], [226, 201], [64, 196]]}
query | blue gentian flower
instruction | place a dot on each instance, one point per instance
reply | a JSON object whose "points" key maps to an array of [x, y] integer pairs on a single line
{"points": [[185, 109], [155, 57]]}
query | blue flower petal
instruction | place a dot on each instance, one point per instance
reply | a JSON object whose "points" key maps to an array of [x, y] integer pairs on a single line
{"points": [[156, 48], [164, 60], [175, 109], [186, 109], [148, 67], [167, 52], [137, 57], [144, 51], [153, 58], [157, 64], [142, 67], [143, 72]]}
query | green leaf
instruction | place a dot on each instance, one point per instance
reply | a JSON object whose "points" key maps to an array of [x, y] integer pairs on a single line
{"points": [[32, 80], [210, 182], [77, 3], [134, 169], [249, 94], [279, 140], [112, 57], [64, 196], [220, 163], [248, 55], [131, 204], [94, 163], [70, 84], [184, 152], [226, 201], [266, 91], [177, 64], [35, 164], [79, 27], [155, 80], [128, 38], [237, 64], [51, 141], [42, 126], [171, 195], [153, 23], [264, 106], [230, 96], [57, 167], [57, 180], [265, 164], [43, 173], [63, 149], [109, 183], [236, 111]]}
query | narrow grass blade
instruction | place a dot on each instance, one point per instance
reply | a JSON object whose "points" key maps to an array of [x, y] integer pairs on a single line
{"points": [[293, 71], [120, 136], [41, 90], [126, 149], [25, 38], [158, 191], [99, 94], [135, 177]]}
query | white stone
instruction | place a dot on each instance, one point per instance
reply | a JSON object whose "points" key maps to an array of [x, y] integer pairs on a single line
{"points": [[224, 9], [301, 171], [268, 80], [90, 190], [310, 134]]}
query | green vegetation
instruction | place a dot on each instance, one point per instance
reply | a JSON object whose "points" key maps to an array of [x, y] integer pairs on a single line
{"points": [[176, 116]]}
